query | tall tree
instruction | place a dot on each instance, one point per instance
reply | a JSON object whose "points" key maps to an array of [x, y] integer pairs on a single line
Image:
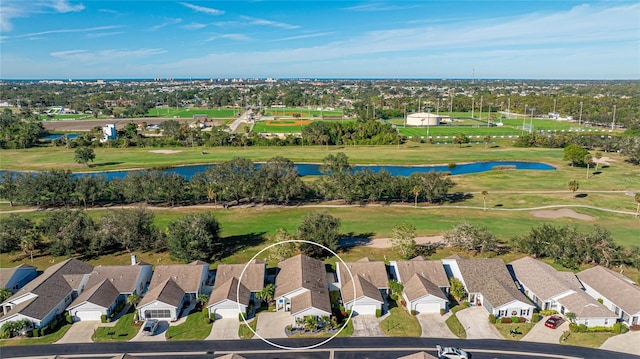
{"points": [[417, 189], [470, 237], [284, 249], [597, 156], [484, 194], [68, 232], [321, 228], [194, 237], [575, 154], [587, 161], [126, 229], [573, 186], [402, 240], [84, 155], [12, 229]]}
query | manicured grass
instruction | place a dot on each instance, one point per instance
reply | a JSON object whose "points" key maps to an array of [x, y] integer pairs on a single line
{"points": [[122, 331], [189, 113], [454, 324], [308, 112], [399, 323], [244, 332], [194, 328], [47, 339], [589, 340], [522, 328], [451, 131]]}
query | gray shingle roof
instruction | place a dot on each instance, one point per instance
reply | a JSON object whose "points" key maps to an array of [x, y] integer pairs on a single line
{"points": [[253, 277], [229, 290], [7, 273], [51, 288], [375, 272], [103, 294], [187, 276], [490, 277], [616, 287], [544, 281], [303, 272], [419, 286], [168, 292], [122, 277], [364, 288], [433, 270], [584, 306]]}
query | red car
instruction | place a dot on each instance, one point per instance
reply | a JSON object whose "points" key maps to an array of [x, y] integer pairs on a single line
{"points": [[553, 322]]}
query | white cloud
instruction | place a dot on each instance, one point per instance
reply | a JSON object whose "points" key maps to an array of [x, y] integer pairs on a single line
{"points": [[202, 9], [256, 21], [63, 31], [104, 34], [12, 9], [105, 55], [165, 23], [63, 6], [305, 36], [234, 37], [379, 7], [193, 26]]}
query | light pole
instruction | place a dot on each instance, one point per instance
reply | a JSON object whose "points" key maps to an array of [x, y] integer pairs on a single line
{"points": [[554, 106], [405, 114], [480, 108], [508, 107], [489, 116], [473, 105], [580, 115], [613, 124], [428, 122], [524, 118], [531, 123]]}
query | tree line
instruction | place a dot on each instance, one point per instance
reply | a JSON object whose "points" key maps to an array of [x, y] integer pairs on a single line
{"points": [[238, 180]]}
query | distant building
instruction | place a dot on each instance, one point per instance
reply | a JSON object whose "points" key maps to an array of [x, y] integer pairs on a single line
{"points": [[109, 132], [423, 119]]}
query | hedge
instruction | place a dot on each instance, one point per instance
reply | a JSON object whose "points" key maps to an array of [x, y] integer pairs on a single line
{"points": [[378, 313], [535, 317]]}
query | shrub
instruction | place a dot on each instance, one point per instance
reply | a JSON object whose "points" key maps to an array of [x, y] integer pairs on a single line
{"points": [[573, 327], [67, 318], [393, 296], [413, 312], [535, 317], [515, 319], [506, 320], [602, 328], [241, 317], [522, 320], [378, 313], [442, 311], [466, 304], [600, 300], [103, 318], [547, 313], [492, 319], [582, 328], [617, 328], [499, 320]]}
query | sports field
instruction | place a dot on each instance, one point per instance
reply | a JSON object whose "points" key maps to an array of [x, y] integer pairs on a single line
{"points": [[302, 111], [445, 130], [286, 126], [65, 117], [190, 112]]}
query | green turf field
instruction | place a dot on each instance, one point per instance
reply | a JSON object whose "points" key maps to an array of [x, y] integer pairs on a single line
{"points": [[189, 113], [78, 116], [286, 126], [545, 124], [303, 111], [445, 130]]}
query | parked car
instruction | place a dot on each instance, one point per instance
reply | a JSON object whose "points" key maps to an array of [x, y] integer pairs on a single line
{"points": [[553, 322], [150, 327], [451, 353]]}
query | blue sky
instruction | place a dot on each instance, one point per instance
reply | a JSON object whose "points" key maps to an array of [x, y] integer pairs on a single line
{"points": [[320, 39]]}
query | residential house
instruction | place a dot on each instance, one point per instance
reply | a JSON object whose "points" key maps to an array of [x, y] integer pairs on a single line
{"points": [[107, 286], [488, 283], [301, 287], [47, 296], [172, 289], [370, 282], [550, 289], [617, 292], [15, 278], [425, 282], [224, 301]]}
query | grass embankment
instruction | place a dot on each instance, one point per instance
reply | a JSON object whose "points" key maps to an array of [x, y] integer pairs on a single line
{"points": [[47, 339], [589, 340], [454, 324], [194, 328], [124, 330], [400, 323], [521, 328], [244, 332]]}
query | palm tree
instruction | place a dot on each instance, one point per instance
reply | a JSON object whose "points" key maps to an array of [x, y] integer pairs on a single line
{"points": [[573, 186], [637, 198], [202, 299], [266, 294], [587, 161], [416, 192], [487, 138], [29, 243], [133, 299], [484, 198], [598, 156]]}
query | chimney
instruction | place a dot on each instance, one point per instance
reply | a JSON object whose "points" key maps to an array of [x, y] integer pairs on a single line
{"points": [[134, 260]]}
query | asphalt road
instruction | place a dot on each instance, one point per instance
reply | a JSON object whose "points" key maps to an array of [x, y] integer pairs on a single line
{"points": [[342, 348]]}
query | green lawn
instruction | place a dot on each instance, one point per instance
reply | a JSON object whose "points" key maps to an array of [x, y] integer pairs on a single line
{"points": [[189, 113], [444, 130], [454, 324], [590, 340], [304, 112], [521, 328], [194, 328], [244, 332], [399, 323], [47, 339], [285, 126], [122, 331]]}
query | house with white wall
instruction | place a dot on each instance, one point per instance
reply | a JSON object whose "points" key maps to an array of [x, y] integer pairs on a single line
{"points": [[420, 277], [550, 289], [371, 284], [224, 301], [618, 293]]}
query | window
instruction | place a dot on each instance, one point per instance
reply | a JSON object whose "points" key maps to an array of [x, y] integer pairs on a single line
{"points": [[157, 314], [606, 321], [502, 313], [524, 312]]}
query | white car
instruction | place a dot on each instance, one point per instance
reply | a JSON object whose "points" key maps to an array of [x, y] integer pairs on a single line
{"points": [[451, 353], [150, 327]]}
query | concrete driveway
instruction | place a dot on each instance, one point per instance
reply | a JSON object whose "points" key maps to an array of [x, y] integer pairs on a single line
{"points": [[475, 321], [366, 326], [159, 336], [272, 324], [80, 332], [541, 334], [225, 328], [624, 343], [433, 325]]}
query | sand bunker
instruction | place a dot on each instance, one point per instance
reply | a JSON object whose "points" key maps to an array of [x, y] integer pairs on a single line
{"points": [[165, 152], [563, 212]]}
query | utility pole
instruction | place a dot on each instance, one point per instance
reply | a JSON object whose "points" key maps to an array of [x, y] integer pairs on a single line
{"points": [[613, 124], [509, 107], [473, 105], [480, 108], [580, 116], [451, 102]]}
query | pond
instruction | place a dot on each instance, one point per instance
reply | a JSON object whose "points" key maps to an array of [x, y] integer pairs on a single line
{"points": [[313, 169]]}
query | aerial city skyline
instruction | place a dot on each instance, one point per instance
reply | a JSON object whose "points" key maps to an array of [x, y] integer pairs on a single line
{"points": [[428, 39]]}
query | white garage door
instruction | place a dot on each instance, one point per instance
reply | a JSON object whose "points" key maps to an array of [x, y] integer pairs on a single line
{"points": [[428, 307], [365, 309], [226, 313], [88, 315]]}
